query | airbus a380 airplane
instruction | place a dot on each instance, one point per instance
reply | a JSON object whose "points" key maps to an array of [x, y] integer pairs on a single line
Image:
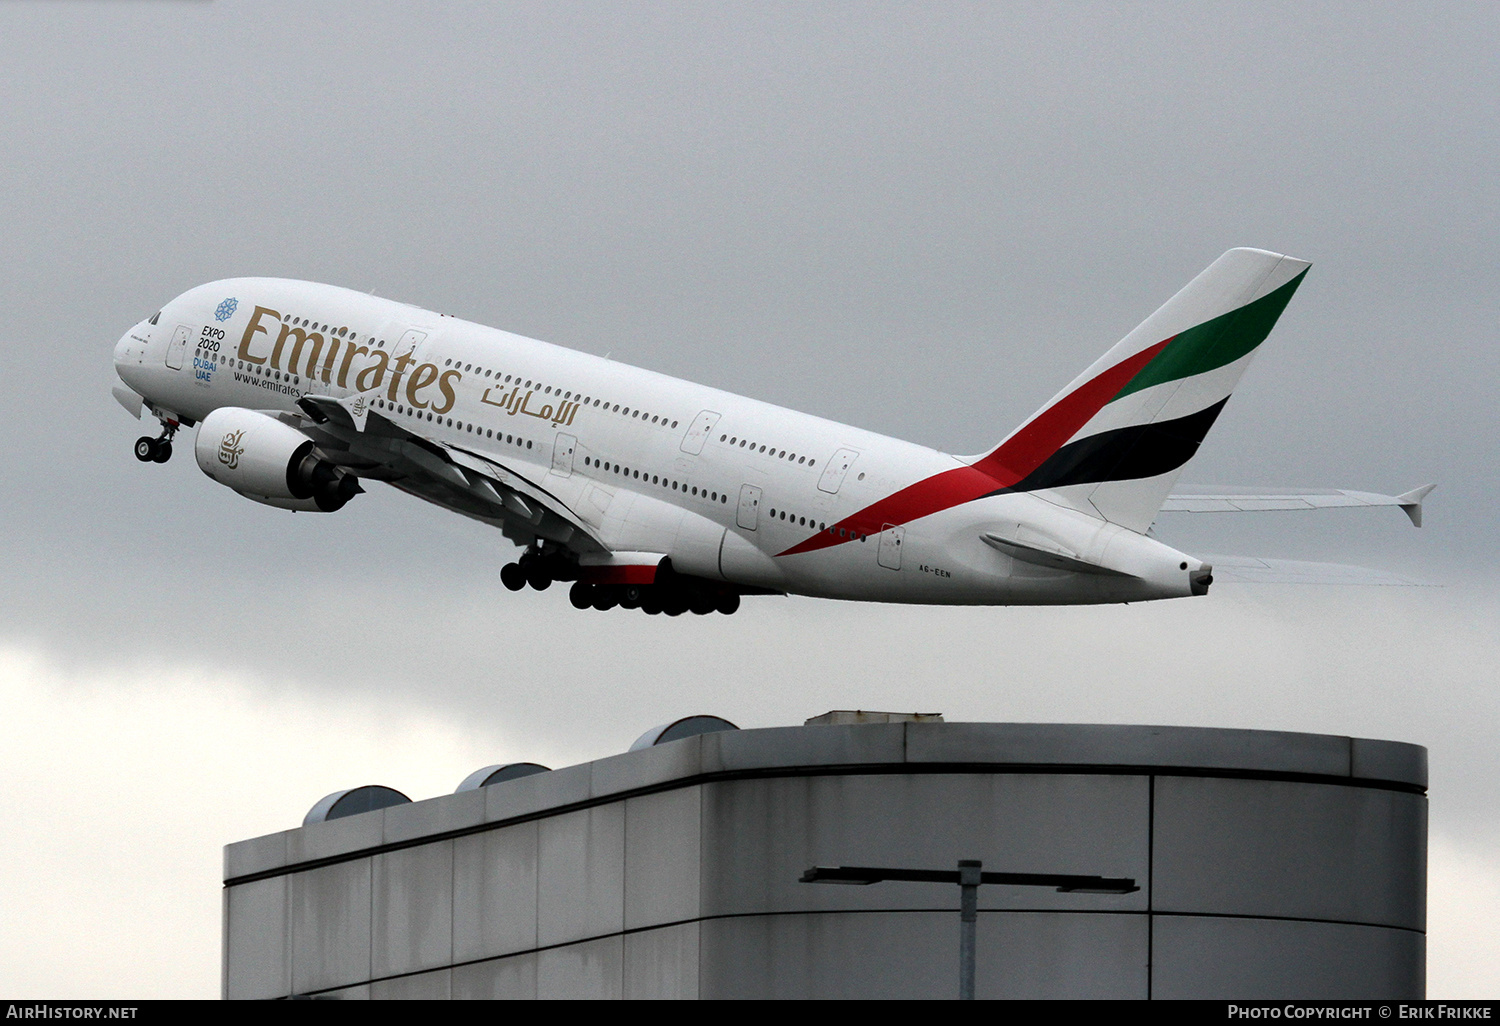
{"points": [[654, 493]]}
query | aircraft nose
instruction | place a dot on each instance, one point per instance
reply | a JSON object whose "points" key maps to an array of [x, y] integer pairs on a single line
{"points": [[130, 351]]}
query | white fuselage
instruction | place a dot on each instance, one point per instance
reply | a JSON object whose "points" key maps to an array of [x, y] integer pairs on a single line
{"points": [[725, 485]]}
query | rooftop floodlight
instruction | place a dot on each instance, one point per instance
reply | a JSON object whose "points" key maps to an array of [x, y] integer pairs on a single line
{"points": [[969, 876]]}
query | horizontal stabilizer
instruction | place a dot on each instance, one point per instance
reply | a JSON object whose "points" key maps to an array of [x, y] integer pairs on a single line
{"points": [[1262, 500], [1253, 570]]}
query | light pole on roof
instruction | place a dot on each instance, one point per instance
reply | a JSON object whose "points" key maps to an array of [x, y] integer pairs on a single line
{"points": [[969, 876]]}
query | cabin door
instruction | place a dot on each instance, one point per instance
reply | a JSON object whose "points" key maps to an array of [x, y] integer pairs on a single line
{"points": [[889, 555], [562, 454], [749, 512], [833, 473], [177, 348], [698, 431]]}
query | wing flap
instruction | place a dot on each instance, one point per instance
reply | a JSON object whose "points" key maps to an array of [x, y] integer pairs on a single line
{"points": [[408, 458]]}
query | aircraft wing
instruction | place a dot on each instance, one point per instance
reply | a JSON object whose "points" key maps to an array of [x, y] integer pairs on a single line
{"points": [[354, 435], [1253, 570], [1246, 500]]}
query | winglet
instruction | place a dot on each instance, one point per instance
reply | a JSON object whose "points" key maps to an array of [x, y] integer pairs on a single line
{"points": [[1411, 503]]}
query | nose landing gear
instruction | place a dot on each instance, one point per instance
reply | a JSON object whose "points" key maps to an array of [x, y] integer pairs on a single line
{"points": [[156, 450]]}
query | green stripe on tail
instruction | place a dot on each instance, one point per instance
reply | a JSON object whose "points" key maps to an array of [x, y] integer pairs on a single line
{"points": [[1214, 343]]}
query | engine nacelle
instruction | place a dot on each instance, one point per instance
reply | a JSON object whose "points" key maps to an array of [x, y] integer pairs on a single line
{"points": [[266, 460]]}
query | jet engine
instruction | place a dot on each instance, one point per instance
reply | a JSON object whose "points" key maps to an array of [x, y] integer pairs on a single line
{"points": [[269, 461]]}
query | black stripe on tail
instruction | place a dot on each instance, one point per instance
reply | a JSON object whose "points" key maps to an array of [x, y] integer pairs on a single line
{"points": [[1124, 454]]}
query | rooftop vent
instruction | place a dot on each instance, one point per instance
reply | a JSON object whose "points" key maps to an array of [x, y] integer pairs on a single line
{"points": [[354, 801], [679, 729], [844, 717], [500, 772]]}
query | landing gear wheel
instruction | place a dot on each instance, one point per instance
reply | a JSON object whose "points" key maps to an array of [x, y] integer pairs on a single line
{"points": [[630, 598], [729, 603], [702, 604], [651, 603], [163, 451], [605, 599], [538, 578], [581, 595], [145, 449], [675, 605], [512, 577]]}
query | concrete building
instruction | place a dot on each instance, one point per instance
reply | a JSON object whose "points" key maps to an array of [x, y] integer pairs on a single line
{"points": [[1270, 865]]}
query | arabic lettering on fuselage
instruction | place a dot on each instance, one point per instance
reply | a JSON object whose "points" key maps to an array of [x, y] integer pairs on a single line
{"points": [[379, 368], [561, 417]]}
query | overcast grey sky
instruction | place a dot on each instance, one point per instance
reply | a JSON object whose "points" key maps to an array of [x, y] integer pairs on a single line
{"points": [[921, 219]]}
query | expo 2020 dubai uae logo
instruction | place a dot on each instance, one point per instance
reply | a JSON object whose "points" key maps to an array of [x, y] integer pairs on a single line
{"points": [[226, 309]]}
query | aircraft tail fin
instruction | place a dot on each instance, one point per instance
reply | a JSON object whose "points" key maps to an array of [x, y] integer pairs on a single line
{"points": [[1113, 442]]}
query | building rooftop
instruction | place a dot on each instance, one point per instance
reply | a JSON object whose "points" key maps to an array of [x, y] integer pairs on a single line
{"points": [[912, 744]]}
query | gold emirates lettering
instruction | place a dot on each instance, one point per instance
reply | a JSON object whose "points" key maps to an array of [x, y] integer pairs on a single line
{"points": [[367, 378]]}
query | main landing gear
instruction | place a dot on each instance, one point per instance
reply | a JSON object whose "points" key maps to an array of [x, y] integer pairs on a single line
{"points": [[673, 597], [532, 568], [672, 594], [156, 450]]}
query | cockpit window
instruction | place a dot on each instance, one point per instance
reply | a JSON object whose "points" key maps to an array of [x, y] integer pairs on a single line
{"points": [[155, 317]]}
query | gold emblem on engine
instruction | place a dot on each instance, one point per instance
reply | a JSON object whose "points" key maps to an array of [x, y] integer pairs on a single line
{"points": [[230, 449]]}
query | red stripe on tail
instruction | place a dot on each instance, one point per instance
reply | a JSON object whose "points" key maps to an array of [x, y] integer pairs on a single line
{"points": [[1049, 430], [1017, 457]]}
